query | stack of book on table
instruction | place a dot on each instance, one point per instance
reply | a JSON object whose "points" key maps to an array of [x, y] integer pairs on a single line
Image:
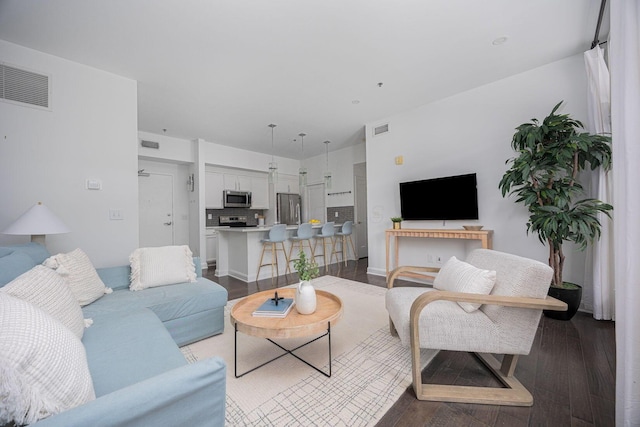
{"points": [[270, 309]]}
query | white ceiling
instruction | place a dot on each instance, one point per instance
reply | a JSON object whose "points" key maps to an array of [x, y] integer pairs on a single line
{"points": [[222, 70]]}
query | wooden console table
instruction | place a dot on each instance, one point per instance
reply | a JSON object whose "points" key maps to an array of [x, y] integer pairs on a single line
{"points": [[483, 235]]}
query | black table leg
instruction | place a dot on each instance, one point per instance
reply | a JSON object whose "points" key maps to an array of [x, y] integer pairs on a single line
{"points": [[286, 351]]}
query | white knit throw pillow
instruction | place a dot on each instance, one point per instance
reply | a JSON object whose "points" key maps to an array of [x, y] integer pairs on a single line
{"points": [[81, 276], [459, 276], [160, 266], [46, 289], [43, 365]]}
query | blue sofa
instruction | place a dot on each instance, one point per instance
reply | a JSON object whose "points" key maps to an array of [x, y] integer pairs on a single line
{"points": [[139, 375]]}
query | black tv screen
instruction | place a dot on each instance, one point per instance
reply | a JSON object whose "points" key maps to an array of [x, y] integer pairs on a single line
{"points": [[451, 197]]}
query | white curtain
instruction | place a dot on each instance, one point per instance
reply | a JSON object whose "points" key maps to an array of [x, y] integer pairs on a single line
{"points": [[624, 59], [599, 121]]}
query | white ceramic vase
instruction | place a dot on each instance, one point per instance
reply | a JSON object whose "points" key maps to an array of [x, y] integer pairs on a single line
{"points": [[305, 298]]}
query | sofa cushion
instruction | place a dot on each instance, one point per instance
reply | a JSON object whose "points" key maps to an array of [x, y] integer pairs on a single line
{"points": [[126, 347], [13, 265], [81, 276], [459, 276], [37, 252], [47, 290], [161, 266], [116, 278], [43, 365], [444, 325], [167, 302]]}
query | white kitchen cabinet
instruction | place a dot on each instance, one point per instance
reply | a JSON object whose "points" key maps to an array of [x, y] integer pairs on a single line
{"points": [[288, 184], [244, 183], [213, 188], [237, 182], [212, 246], [230, 181], [259, 192]]}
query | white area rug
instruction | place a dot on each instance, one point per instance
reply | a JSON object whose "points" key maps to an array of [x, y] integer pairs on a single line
{"points": [[370, 368]]}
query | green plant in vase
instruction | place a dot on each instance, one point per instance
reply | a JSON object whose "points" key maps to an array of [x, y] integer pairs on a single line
{"points": [[397, 222], [305, 294], [306, 269]]}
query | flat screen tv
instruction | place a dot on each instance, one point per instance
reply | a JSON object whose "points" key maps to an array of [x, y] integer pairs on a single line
{"points": [[451, 197]]}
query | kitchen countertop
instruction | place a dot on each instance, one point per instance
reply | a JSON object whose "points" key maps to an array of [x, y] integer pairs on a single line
{"points": [[263, 228], [240, 250]]}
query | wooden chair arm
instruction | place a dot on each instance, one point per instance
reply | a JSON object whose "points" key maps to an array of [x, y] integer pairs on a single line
{"points": [[548, 303], [408, 270]]}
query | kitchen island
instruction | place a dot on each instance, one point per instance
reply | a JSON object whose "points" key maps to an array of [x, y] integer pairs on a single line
{"points": [[239, 251]]}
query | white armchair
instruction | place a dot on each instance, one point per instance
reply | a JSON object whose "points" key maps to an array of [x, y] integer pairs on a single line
{"points": [[505, 323]]}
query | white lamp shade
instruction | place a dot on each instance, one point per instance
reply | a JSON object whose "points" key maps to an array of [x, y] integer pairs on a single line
{"points": [[38, 220]]}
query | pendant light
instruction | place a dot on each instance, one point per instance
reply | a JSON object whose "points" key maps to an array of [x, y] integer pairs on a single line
{"points": [[327, 172], [302, 172], [273, 166]]}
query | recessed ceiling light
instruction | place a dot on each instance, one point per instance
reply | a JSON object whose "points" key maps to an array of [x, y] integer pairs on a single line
{"points": [[355, 101], [500, 40]]}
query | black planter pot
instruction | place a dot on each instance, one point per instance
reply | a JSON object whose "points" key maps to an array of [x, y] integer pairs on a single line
{"points": [[571, 296]]}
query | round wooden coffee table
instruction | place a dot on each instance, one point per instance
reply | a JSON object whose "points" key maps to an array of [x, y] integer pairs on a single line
{"points": [[294, 325]]}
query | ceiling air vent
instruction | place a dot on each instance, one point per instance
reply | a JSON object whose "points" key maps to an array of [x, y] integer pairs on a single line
{"points": [[378, 130], [24, 87]]}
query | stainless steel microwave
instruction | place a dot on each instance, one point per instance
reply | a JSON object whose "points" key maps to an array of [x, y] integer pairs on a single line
{"points": [[236, 199]]}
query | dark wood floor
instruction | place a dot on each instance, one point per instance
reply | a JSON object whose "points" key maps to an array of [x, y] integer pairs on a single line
{"points": [[570, 370]]}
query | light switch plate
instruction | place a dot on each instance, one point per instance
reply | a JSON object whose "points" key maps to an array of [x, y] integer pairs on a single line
{"points": [[116, 214], [94, 184]]}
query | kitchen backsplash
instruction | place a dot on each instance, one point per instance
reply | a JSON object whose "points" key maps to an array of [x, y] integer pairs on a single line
{"points": [[345, 213], [213, 215]]}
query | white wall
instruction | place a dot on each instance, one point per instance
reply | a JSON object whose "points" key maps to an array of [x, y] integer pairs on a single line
{"points": [[341, 166], [175, 150], [47, 156], [182, 150], [469, 132]]}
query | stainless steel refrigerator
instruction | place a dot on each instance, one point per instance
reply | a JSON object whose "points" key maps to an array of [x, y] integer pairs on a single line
{"points": [[289, 209]]}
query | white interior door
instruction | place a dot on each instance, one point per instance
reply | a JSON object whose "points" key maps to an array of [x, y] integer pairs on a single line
{"points": [[155, 198], [315, 197], [361, 217]]}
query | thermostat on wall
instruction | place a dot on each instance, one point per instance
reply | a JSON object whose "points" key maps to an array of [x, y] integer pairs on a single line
{"points": [[94, 184]]}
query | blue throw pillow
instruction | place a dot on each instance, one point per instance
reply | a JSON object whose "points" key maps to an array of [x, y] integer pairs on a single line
{"points": [[13, 265]]}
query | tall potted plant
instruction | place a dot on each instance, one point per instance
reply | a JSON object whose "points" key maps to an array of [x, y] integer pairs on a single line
{"points": [[545, 178]]}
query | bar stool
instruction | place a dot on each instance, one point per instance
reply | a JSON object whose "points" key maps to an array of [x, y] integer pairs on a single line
{"points": [[277, 234], [326, 232], [346, 232], [303, 235]]}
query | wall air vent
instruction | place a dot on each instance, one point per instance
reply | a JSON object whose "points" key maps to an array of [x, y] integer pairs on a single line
{"points": [[378, 130], [24, 87], [150, 144]]}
